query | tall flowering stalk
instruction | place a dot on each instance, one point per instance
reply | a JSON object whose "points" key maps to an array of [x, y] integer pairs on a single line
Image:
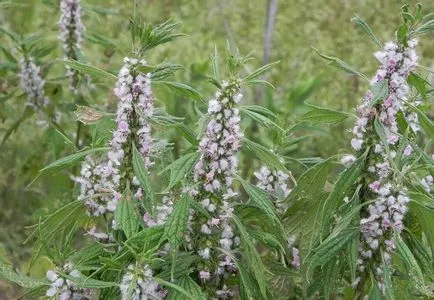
{"points": [[386, 195], [71, 35], [32, 84], [214, 175], [135, 106]]}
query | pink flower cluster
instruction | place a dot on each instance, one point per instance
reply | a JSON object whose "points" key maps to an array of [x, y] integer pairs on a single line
{"points": [[143, 285], [274, 183], [135, 106], [214, 173], [385, 214], [71, 34], [396, 64], [32, 84], [163, 212], [65, 289], [96, 185]]}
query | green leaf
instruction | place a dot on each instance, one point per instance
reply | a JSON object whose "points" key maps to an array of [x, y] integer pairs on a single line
{"points": [[252, 257], [175, 287], [142, 174], [89, 70], [418, 82], [180, 168], [261, 199], [329, 248], [414, 271], [401, 33], [424, 216], [53, 225], [336, 62], [126, 216], [258, 72], [342, 188], [321, 115], [425, 28], [7, 273], [164, 71], [181, 89], [28, 112], [380, 91], [365, 27], [176, 224], [87, 282], [69, 160], [252, 112], [265, 155], [426, 124], [191, 287]]}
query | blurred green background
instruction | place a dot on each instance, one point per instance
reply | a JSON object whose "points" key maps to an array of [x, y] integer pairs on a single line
{"points": [[300, 76]]}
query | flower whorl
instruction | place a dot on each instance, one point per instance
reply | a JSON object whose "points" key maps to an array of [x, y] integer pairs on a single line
{"points": [[214, 173], [385, 214], [71, 35], [32, 84], [145, 286], [63, 288], [275, 183]]}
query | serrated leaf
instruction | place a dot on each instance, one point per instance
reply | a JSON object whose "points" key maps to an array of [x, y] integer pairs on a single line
{"points": [[258, 72], [380, 91], [365, 27], [142, 174], [329, 248], [261, 199], [180, 168], [176, 224], [426, 124], [87, 282], [415, 273], [191, 287], [126, 216], [265, 155], [181, 89], [264, 120], [89, 70], [418, 82], [425, 28], [164, 71], [342, 188], [252, 256], [175, 287], [69, 160], [7, 273], [338, 63], [321, 115]]}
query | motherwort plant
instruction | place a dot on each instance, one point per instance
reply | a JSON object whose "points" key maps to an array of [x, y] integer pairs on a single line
{"points": [[384, 141]]}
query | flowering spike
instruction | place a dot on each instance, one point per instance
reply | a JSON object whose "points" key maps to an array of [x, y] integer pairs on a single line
{"points": [[384, 216], [214, 173], [71, 35], [32, 84]]}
